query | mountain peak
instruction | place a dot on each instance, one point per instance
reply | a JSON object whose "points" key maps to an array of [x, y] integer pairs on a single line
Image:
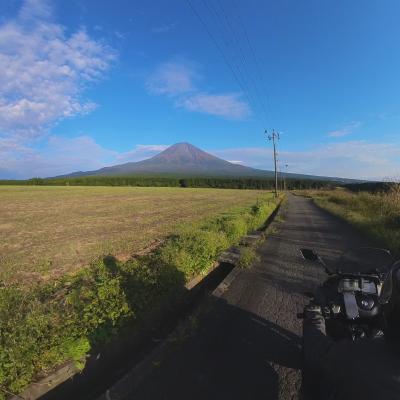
{"points": [[183, 146], [183, 153]]}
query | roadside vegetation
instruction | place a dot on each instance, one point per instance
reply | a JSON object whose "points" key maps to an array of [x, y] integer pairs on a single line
{"points": [[49, 323], [248, 256], [376, 214]]}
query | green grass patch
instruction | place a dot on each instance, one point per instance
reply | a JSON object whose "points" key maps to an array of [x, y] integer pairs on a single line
{"points": [[375, 214], [48, 324], [248, 256]]}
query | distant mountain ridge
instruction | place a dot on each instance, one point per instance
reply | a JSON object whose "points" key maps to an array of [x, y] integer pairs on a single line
{"points": [[187, 160]]}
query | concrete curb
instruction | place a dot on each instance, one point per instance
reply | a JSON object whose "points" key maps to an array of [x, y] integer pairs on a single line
{"points": [[224, 285]]}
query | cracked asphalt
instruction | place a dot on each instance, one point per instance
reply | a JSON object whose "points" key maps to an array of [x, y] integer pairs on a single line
{"points": [[246, 342]]}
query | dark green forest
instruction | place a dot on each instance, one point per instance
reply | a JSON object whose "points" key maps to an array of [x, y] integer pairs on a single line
{"points": [[185, 182]]}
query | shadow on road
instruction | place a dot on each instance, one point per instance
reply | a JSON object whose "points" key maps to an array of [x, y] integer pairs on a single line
{"points": [[226, 353]]}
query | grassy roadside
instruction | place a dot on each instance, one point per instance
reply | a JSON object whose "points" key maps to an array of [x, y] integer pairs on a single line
{"points": [[49, 324], [377, 215]]}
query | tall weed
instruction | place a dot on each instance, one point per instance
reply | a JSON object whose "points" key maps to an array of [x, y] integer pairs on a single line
{"points": [[376, 214]]}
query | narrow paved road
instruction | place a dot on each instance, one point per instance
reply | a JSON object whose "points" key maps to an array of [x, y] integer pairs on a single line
{"points": [[246, 343]]}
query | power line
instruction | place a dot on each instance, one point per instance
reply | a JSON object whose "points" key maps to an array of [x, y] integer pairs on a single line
{"points": [[241, 45], [239, 69], [218, 47], [254, 54], [241, 56], [240, 72]]}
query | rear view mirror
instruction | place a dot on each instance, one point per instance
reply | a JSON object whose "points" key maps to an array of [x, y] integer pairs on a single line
{"points": [[387, 287], [311, 255]]}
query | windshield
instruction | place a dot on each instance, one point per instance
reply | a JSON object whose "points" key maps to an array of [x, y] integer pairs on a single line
{"points": [[364, 260]]}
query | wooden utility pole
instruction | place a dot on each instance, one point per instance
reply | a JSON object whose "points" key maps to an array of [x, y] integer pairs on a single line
{"points": [[274, 137]]}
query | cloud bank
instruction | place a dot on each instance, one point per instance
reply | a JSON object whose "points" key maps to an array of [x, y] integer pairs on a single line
{"points": [[61, 155], [44, 72], [350, 159]]}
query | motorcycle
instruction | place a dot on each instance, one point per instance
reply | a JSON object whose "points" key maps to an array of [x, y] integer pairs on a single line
{"points": [[352, 300], [353, 295]]}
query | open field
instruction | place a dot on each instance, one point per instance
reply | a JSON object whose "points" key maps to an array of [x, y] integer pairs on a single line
{"points": [[375, 214], [48, 231]]}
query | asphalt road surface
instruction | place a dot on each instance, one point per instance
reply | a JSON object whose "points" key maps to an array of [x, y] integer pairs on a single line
{"points": [[246, 343]]}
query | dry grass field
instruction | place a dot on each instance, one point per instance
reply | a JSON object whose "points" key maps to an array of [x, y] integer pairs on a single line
{"points": [[49, 231]]}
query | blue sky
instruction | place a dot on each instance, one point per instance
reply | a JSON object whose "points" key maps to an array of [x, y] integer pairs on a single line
{"points": [[93, 83]]}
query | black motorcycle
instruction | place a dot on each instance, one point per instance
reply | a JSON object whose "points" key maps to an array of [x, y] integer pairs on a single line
{"points": [[352, 301], [353, 295]]}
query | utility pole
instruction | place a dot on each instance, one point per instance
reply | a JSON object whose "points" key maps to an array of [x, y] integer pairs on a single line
{"points": [[274, 137]]}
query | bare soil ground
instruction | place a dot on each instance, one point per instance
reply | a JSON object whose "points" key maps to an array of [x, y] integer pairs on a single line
{"points": [[49, 231]]}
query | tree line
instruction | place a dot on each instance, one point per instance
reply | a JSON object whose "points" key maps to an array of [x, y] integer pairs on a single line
{"points": [[186, 182], [372, 187]]}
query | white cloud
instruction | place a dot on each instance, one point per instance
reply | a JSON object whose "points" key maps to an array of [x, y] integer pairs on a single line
{"points": [[164, 28], [223, 105], [152, 147], [141, 152], [346, 130], [120, 35], [177, 80], [35, 9], [171, 79], [44, 71], [58, 155]]}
